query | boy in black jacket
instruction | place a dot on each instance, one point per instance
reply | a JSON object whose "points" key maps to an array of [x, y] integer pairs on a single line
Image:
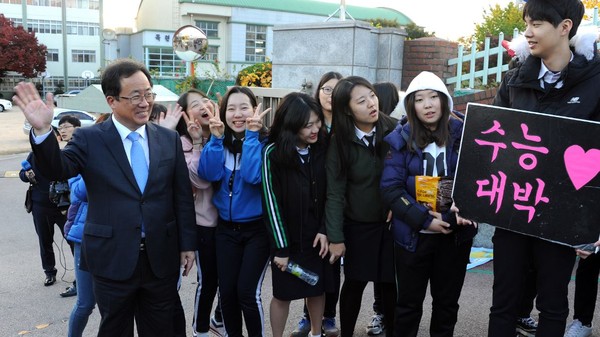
{"points": [[553, 79]]}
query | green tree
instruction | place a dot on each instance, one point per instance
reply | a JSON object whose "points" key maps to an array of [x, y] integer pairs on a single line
{"points": [[383, 23], [496, 20], [414, 32], [20, 50]]}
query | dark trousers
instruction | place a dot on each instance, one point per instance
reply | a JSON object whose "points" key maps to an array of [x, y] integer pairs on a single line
{"points": [[586, 288], [44, 220], [331, 298], [441, 263], [553, 263], [529, 294], [350, 304], [242, 259], [206, 265], [145, 297], [377, 305], [179, 325]]}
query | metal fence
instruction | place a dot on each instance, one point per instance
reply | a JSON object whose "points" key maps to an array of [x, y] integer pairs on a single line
{"points": [[479, 67], [270, 98]]}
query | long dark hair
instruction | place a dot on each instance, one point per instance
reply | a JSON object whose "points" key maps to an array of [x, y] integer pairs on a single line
{"points": [[293, 113], [419, 133], [229, 134], [388, 96], [182, 101], [343, 120], [157, 108]]}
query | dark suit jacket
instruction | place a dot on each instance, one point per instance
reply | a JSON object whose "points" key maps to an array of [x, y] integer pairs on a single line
{"points": [[117, 208]]}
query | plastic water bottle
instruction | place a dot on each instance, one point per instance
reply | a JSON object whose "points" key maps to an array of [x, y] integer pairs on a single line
{"points": [[301, 273]]}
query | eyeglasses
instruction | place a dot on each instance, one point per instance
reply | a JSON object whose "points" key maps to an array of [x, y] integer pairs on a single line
{"points": [[196, 104], [64, 127], [327, 90], [137, 99]]}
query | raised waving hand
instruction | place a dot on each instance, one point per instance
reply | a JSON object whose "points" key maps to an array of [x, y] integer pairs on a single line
{"points": [[170, 118], [37, 113]]}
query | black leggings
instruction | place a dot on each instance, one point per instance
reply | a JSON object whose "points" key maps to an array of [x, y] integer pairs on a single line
{"points": [[242, 259], [586, 288], [206, 265], [350, 304]]}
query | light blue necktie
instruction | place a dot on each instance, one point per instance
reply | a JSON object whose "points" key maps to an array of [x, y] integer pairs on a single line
{"points": [[138, 161]]}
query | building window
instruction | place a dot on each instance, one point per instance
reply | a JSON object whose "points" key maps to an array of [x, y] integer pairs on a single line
{"points": [[212, 53], [16, 2], [256, 43], [52, 55], [83, 28], [42, 26], [164, 62], [47, 3], [84, 4], [210, 28], [55, 27], [83, 56], [16, 22]]}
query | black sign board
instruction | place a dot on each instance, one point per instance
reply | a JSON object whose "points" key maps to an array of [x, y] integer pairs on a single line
{"points": [[531, 173]]}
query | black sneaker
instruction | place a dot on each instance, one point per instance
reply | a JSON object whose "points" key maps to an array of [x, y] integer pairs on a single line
{"points": [[527, 326], [70, 291]]}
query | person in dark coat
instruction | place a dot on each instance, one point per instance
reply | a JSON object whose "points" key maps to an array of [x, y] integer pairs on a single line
{"points": [[430, 249], [294, 185], [355, 215], [558, 80]]}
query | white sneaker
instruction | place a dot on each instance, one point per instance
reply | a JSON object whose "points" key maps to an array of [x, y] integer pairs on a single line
{"points": [[576, 329], [217, 327], [376, 326]]}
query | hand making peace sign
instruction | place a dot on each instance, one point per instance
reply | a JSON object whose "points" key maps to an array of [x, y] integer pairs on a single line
{"points": [[217, 128], [193, 127], [255, 122]]}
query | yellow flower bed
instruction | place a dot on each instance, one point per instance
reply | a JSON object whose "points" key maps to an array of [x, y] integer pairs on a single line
{"points": [[257, 75]]}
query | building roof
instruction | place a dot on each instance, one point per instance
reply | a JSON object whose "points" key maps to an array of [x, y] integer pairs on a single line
{"points": [[310, 7]]}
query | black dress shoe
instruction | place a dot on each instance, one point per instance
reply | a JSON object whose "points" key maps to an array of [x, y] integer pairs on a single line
{"points": [[50, 280], [70, 291]]}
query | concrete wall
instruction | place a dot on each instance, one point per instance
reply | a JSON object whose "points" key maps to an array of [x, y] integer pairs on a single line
{"points": [[302, 53]]}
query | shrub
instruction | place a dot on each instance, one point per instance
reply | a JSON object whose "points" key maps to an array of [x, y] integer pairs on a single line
{"points": [[257, 75]]}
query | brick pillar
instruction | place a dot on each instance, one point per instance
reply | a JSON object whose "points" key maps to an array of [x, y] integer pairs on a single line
{"points": [[428, 54]]}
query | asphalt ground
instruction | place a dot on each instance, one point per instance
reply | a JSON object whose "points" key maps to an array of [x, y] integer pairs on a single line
{"points": [[22, 317]]}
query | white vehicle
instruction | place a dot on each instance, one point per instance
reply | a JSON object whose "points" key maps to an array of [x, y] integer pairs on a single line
{"points": [[5, 105], [84, 117]]}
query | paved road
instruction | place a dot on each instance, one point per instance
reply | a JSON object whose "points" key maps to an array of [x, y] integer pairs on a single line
{"points": [[28, 308]]}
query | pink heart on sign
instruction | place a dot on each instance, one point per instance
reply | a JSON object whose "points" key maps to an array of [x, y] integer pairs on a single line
{"points": [[581, 166]]}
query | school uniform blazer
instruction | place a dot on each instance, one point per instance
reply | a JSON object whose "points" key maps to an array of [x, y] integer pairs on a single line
{"points": [[117, 208]]}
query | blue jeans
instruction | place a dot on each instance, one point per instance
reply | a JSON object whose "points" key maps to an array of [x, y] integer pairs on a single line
{"points": [[85, 298]]}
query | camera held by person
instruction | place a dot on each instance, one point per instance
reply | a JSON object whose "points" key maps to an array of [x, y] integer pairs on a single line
{"points": [[59, 194]]}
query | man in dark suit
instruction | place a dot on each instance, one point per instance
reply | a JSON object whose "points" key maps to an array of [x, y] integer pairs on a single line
{"points": [[140, 225]]}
